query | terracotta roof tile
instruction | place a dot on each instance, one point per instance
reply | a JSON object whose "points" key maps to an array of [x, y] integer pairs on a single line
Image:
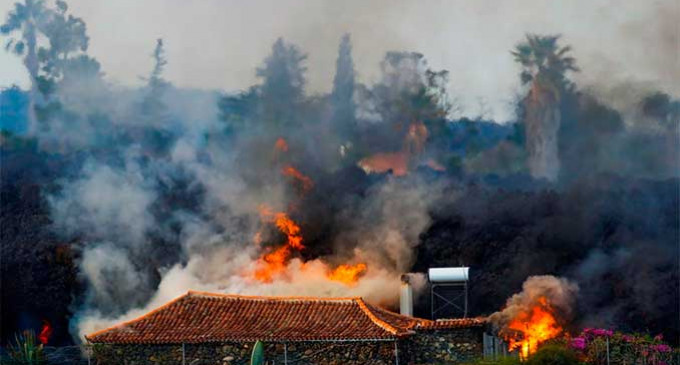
{"points": [[452, 323], [204, 317], [198, 317]]}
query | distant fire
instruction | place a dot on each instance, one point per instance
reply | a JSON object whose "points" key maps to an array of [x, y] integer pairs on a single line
{"points": [[304, 181], [45, 332], [396, 162], [399, 163], [532, 327]]}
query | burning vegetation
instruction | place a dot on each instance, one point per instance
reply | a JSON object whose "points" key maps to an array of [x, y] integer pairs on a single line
{"points": [[531, 328], [118, 199], [537, 314]]}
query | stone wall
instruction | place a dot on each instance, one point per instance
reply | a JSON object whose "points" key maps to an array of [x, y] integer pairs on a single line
{"points": [[426, 347], [331, 353], [445, 346]]}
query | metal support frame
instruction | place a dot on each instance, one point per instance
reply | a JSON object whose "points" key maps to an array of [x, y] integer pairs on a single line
{"points": [[184, 360], [396, 353], [449, 302], [285, 353]]}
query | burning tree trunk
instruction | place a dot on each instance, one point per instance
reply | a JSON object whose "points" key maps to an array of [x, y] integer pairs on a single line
{"points": [[542, 122], [544, 65]]}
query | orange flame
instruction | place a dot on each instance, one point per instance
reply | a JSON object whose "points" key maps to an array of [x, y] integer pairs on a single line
{"points": [[285, 225], [45, 332], [347, 274], [272, 264], [304, 181], [536, 326], [274, 261]]}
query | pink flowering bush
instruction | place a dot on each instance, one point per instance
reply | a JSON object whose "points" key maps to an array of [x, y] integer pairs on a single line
{"points": [[594, 343], [578, 343]]}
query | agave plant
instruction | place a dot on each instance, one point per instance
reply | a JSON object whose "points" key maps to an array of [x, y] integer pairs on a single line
{"points": [[26, 350], [257, 356]]}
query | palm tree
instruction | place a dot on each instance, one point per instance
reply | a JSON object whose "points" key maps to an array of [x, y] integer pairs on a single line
{"points": [[544, 65], [544, 62], [25, 19]]}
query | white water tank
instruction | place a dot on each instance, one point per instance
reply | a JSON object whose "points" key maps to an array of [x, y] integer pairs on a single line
{"points": [[448, 274]]}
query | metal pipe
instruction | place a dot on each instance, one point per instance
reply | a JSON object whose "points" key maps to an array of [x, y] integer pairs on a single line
{"points": [[465, 311], [285, 353], [432, 301], [184, 361], [396, 353]]}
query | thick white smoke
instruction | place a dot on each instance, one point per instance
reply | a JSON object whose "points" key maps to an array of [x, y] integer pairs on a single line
{"points": [[217, 246]]}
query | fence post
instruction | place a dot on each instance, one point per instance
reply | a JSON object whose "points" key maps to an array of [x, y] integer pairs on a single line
{"points": [[607, 350]]}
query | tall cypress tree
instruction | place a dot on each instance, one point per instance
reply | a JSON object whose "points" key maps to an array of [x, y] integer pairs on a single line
{"points": [[343, 86]]}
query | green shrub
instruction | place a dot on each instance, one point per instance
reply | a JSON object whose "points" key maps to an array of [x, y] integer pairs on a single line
{"points": [[554, 354], [26, 350], [502, 360]]}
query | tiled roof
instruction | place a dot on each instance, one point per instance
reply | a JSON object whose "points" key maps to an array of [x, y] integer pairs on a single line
{"points": [[204, 317], [452, 323], [199, 317]]}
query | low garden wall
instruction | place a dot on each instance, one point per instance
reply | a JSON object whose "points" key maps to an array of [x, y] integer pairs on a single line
{"points": [[332, 353], [445, 346], [424, 347]]}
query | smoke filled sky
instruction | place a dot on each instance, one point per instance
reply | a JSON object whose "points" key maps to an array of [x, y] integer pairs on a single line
{"points": [[216, 44]]}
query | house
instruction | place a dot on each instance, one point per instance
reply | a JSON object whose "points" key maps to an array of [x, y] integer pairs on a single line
{"points": [[207, 328]]}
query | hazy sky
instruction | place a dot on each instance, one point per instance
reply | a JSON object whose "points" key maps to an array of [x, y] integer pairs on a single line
{"points": [[218, 43]]}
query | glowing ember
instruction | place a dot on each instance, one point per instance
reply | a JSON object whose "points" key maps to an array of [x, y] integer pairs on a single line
{"points": [[305, 182], [45, 332], [415, 139], [347, 274], [535, 325], [434, 165], [281, 145]]}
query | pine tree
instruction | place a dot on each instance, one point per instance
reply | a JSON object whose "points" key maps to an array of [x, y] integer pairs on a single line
{"points": [[153, 105], [282, 89]]}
